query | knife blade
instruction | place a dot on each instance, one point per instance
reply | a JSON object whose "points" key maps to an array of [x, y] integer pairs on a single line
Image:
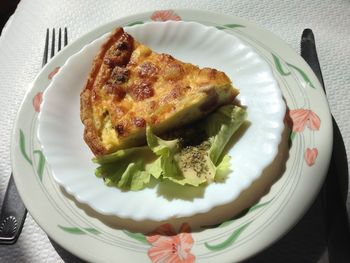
{"points": [[335, 186]]}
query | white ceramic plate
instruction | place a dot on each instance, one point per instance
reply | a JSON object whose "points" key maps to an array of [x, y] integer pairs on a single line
{"points": [[60, 128], [98, 238]]}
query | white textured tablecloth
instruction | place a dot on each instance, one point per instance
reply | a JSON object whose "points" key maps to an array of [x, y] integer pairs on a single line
{"points": [[21, 48]]}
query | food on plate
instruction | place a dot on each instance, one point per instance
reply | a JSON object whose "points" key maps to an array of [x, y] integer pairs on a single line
{"points": [[130, 86], [149, 116], [190, 156]]}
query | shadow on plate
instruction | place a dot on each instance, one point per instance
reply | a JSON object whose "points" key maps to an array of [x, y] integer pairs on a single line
{"points": [[305, 242], [214, 217], [172, 191], [64, 254]]}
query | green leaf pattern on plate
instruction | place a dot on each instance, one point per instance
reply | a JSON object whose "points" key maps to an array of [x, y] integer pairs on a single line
{"points": [[79, 231], [135, 23], [251, 209], [229, 241], [279, 66], [229, 26], [303, 75], [137, 236], [292, 135], [283, 72], [41, 163], [291, 138], [22, 145], [240, 215], [92, 230]]}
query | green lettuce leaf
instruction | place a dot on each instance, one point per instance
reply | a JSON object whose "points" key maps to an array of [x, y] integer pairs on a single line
{"points": [[134, 177], [169, 152], [198, 164], [175, 159], [121, 155], [223, 169], [166, 151], [129, 168], [222, 124], [154, 168]]}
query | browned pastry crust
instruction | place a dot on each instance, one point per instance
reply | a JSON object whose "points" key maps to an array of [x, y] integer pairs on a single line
{"points": [[130, 86]]}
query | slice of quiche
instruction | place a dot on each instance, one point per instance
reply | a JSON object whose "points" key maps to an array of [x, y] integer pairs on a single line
{"points": [[131, 86]]}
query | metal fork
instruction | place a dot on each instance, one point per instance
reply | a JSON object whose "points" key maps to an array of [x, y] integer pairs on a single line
{"points": [[13, 212], [53, 43]]}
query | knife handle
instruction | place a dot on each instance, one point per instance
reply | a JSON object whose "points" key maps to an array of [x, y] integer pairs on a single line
{"points": [[13, 214]]}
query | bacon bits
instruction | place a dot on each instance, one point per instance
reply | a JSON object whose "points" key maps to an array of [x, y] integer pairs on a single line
{"points": [[120, 129], [122, 45], [147, 69], [139, 122], [176, 92], [115, 90], [119, 111], [110, 62], [119, 75], [119, 54], [142, 91]]}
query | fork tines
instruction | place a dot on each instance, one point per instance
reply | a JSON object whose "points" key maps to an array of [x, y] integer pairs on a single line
{"points": [[52, 47]]}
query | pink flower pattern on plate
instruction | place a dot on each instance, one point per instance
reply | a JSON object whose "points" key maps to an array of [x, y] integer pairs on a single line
{"points": [[310, 156], [53, 73], [165, 15], [39, 96], [303, 117], [169, 246], [297, 120], [37, 101]]}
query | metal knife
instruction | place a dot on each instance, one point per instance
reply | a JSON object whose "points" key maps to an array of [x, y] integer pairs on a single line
{"points": [[334, 190]]}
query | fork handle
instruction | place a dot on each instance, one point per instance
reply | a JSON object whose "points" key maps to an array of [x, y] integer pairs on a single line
{"points": [[13, 214]]}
